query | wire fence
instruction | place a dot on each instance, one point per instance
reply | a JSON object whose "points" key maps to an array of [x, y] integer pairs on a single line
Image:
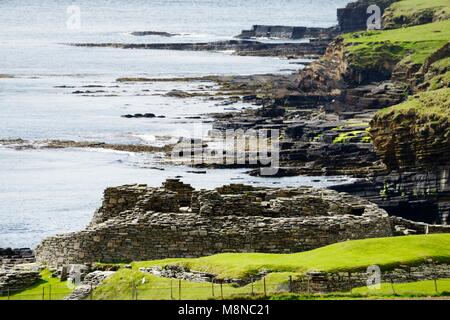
{"points": [[265, 287], [175, 289], [179, 290], [183, 290], [41, 292]]}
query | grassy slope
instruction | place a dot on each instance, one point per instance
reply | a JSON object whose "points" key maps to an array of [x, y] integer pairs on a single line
{"points": [[155, 288], [410, 45], [119, 287], [410, 10], [440, 74], [405, 290], [433, 104], [47, 284], [350, 255], [423, 287]]}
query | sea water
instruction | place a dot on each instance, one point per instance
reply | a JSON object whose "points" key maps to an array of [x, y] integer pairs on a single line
{"points": [[45, 192]]}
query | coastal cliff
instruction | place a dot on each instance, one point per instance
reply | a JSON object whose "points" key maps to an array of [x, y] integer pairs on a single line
{"points": [[354, 16], [323, 112], [374, 70], [415, 134]]}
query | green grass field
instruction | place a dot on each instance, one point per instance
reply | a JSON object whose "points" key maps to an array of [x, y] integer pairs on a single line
{"points": [[412, 45], [407, 290], [277, 285], [410, 11], [432, 104], [349, 255], [345, 256], [48, 288], [426, 287]]}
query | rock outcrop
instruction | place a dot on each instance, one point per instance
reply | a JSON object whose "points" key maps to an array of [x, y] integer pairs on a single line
{"points": [[415, 134], [354, 16], [13, 280], [241, 47], [89, 283], [413, 140], [288, 32], [10, 256], [153, 33]]}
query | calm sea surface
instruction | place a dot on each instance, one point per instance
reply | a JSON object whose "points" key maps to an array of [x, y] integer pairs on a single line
{"points": [[43, 192]]}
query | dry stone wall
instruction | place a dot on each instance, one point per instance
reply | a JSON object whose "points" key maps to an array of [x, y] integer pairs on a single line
{"points": [[12, 280], [11, 257], [323, 282], [137, 222]]}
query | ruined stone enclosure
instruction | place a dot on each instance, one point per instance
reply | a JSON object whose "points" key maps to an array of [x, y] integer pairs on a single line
{"points": [[137, 222]]}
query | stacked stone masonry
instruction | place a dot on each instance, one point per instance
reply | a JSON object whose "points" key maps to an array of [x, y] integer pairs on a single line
{"points": [[323, 282], [137, 222], [12, 280], [11, 257]]}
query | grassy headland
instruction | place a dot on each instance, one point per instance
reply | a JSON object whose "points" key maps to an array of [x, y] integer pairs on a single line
{"points": [[385, 48], [415, 12]]}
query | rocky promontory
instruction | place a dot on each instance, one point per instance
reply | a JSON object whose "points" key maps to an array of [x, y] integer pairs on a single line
{"points": [[241, 47]]}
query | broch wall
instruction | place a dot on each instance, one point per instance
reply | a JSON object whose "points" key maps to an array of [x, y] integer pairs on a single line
{"points": [[137, 222]]}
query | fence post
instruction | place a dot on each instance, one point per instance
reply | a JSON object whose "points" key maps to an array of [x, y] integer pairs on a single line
{"points": [[8, 293], [91, 293], [253, 292], [212, 287], [392, 286], [50, 292], [136, 293], [221, 289], [265, 289], [290, 284], [171, 289], [179, 289], [435, 277], [43, 293], [307, 286]]}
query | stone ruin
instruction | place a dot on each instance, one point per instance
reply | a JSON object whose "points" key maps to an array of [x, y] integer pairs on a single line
{"points": [[11, 257], [137, 222]]}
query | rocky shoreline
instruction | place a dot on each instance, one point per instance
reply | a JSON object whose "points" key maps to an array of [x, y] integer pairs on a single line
{"points": [[240, 47], [20, 144], [375, 116], [327, 112]]}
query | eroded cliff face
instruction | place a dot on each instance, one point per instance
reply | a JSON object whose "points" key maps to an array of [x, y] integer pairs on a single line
{"points": [[350, 84], [326, 75], [415, 134], [354, 16], [413, 140]]}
